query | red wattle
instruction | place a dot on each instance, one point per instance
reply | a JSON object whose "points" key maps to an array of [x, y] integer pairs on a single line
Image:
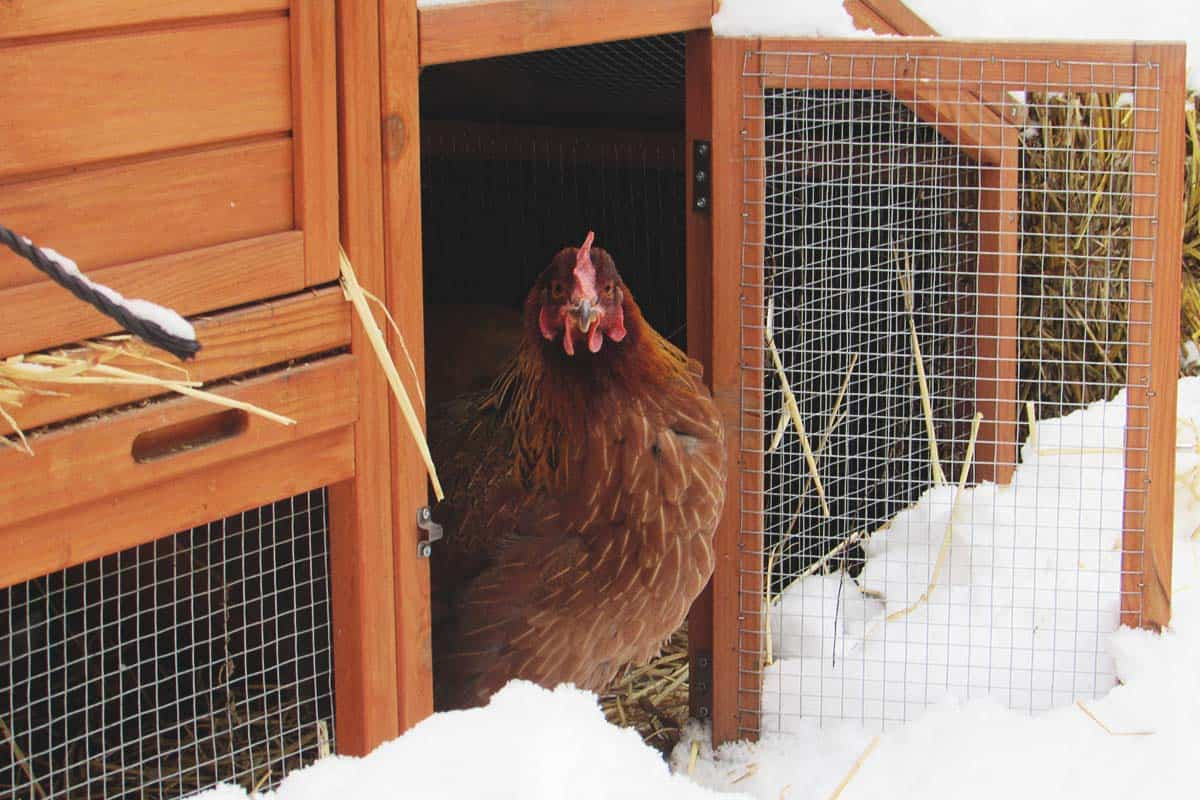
{"points": [[595, 339]]}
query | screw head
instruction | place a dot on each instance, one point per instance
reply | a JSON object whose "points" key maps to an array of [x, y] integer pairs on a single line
{"points": [[701, 202], [701, 176], [702, 149], [424, 550]]}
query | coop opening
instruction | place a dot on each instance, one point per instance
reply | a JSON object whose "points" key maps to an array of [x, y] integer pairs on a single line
{"points": [[524, 155], [198, 658]]}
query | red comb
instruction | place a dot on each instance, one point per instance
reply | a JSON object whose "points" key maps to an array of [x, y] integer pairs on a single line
{"points": [[585, 270]]}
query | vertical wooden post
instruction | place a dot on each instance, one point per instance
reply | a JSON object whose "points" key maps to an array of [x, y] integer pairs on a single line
{"points": [[737, 348], [400, 71], [698, 96], [364, 619], [1153, 348], [997, 287]]}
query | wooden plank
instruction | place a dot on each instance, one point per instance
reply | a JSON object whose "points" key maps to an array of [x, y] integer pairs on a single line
{"points": [[1153, 346], [107, 525], [235, 342], [43, 17], [91, 460], [368, 683], [996, 332], [699, 252], [73, 102], [151, 208], [314, 111], [731, 670], [898, 17], [44, 315], [477, 141], [502, 27], [982, 66], [402, 242]]}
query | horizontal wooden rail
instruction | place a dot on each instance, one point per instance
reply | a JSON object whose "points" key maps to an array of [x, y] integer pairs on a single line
{"points": [[503, 27], [43, 315], [47, 17], [235, 342], [93, 460], [83, 532]]}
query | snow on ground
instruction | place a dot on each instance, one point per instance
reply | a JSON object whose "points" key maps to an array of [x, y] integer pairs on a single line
{"points": [[1168, 20], [980, 745], [532, 743], [1028, 586], [528, 743]]}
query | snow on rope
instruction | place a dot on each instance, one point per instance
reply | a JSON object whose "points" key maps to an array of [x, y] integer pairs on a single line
{"points": [[159, 326]]}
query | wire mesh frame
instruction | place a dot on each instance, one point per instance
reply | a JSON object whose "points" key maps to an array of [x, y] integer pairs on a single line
{"points": [[161, 670], [890, 200]]}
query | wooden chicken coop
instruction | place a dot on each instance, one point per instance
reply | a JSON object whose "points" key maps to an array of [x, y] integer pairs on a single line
{"points": [[193, 595]]}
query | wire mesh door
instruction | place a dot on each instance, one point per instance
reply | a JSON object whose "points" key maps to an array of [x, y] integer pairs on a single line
{"points": [[956, 371], [164, 669]]}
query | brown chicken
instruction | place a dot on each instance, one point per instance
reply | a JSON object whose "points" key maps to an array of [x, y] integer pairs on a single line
{"points": [[583, 490]]}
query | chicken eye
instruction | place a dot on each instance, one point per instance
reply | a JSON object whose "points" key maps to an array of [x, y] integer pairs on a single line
{"points": [[557, 291], [609, 288]]}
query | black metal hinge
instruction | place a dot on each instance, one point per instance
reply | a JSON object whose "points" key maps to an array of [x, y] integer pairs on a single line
{"points": [[700, 684], [702, 176]]}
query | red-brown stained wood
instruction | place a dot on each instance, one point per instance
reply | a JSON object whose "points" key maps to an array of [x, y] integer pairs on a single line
{"points": [[501, 27], [698, 97], [402, 230], [1153, 337], [235, 342], [150, 208], [191, 282], [727, 340], [93, 459], [367, 682], [1024, 63], [996, 331], [43, 17], [314, 114], [127, 94], [83, 532]]}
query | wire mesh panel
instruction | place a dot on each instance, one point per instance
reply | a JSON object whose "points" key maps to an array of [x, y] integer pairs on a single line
{"points": [[161, 670], [951, 261]]}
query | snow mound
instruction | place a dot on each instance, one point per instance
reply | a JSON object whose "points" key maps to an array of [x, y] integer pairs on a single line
{"points": [[528, 743]]}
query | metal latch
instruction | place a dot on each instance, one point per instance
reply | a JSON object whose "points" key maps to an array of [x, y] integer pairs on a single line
{"points": [[432, 530], [702, 175]]}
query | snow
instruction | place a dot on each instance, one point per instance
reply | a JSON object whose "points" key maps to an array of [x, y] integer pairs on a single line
{"points": [[1163, 20], [528, 743], [531, 742], [167, 319], [1028, 591]]}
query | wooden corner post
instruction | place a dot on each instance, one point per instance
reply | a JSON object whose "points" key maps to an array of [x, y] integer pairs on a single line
{"points": [[736, 347], [399, 123], [364, 614], [1153, 348]]}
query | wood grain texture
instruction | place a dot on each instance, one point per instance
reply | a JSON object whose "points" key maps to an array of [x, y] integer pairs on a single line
{"points": [[235, 342], [153, 208], [192, 282], [997, 316], [1153, 346], [92, 460], [727, 339], [367, 681], [74, 535], [698, 100], [1048, 66], [116, 96], [314, 113], [402, 240], [19, 18], [502, 27], [897, 17]]}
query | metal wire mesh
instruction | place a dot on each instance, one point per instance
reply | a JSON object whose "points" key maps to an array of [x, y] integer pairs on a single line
{"points": [[163, 669], [917, 250]]}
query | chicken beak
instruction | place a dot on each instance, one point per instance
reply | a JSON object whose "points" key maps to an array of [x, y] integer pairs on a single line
{"points": [[585, 314]]}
